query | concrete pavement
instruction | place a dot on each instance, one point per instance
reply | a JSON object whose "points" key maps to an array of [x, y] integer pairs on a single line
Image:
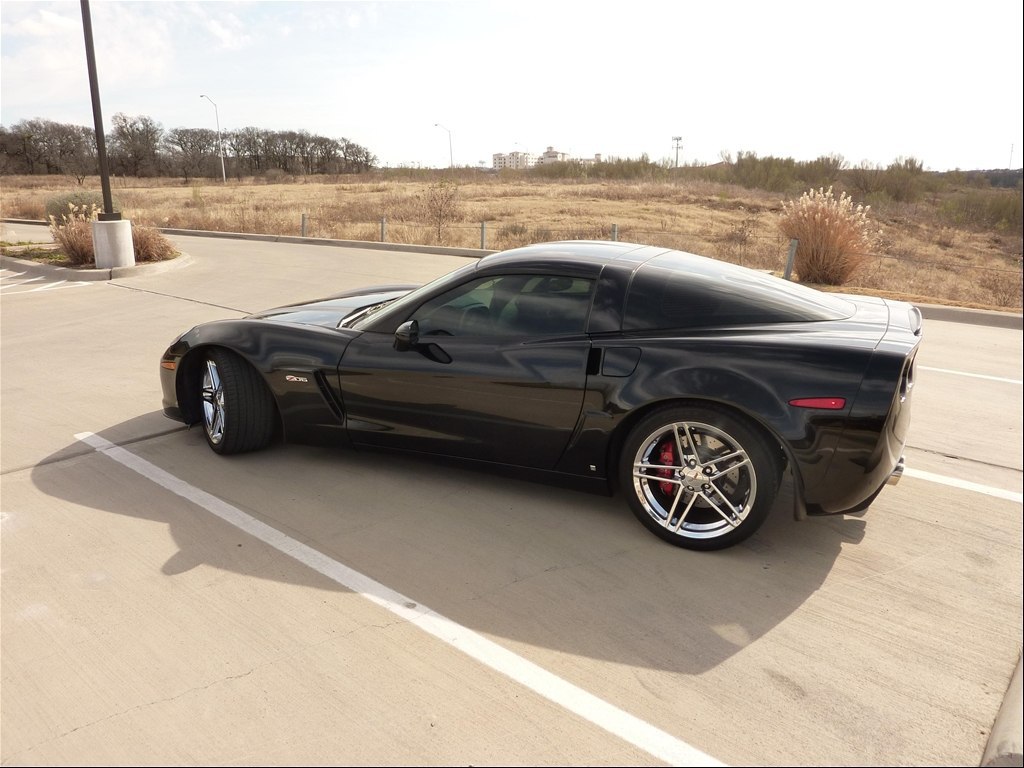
{"points": [[1005, 741]]}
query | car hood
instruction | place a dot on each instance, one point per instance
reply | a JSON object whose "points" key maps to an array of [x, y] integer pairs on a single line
{"points": [[330, 311]]}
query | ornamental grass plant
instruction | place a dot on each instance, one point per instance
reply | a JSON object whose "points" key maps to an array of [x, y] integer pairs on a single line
{"points": [[72, 231], [834, 236], [151, 245]]}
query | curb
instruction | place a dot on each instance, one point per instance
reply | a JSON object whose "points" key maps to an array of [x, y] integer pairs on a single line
{"points": [[972, 316], [89, 275], [439, 250], [1005, 746], [941, 312]]}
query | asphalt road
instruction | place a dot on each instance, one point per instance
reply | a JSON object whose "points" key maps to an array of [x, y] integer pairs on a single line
{"points": [[163, 605]]}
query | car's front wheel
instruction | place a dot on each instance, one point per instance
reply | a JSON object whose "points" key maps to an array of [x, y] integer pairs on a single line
{"points": [[699, 477], [238, 410]]}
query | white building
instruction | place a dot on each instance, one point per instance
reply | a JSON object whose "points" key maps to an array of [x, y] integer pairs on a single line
{"points": [[515, 160], [522, 160], [551, 156]]}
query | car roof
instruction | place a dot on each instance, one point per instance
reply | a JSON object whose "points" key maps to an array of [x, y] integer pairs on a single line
{"points": [[577, 255], [668, 279]]}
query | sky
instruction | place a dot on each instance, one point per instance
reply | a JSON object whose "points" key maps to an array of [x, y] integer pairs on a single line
{"points": [[430, 82]]}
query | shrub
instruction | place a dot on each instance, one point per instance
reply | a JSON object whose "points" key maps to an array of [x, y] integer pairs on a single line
{"points": [[59, 207], [984, 209], [443, 206], [834, 236], [151, 245], [72, 231], [903, 179]]}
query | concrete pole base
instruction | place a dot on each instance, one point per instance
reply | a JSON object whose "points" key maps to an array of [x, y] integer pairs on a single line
{"points": [[112, 244]]}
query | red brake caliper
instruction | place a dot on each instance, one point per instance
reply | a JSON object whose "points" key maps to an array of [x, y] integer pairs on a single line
{"points": [[667, 457]]}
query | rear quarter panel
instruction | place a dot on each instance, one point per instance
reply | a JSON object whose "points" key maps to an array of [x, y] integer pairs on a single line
{"points": [[755, 373]]}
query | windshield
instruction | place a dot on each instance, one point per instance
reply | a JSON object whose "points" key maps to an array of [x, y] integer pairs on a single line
{"points": [[352, 320]]}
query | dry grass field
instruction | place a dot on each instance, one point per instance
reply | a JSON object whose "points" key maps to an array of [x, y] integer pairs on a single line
{"points": [[918, 257]]}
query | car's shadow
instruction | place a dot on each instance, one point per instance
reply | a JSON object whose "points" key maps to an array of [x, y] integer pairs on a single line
{"points": [[536, 564]]}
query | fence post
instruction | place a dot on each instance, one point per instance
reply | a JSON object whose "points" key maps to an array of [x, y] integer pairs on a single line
{"points": [[383, 229], [615, 233], [789, 260], [483, 235], [303, 229]]}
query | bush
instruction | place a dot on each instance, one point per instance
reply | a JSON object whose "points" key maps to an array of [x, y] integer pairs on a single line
{"points": [[151, 245], [834, 236], [72, 231], [59, 207], [984, 209], [443, 206]]}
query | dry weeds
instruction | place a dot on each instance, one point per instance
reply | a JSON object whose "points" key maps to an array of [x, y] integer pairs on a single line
{"points": [[920, 255]]}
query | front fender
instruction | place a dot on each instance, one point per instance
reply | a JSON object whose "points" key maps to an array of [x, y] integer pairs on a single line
{"points": [[297, 363]]}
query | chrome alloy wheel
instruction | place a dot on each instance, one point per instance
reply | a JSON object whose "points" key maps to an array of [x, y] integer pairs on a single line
{"points": [[213, 403], [694, 480]]}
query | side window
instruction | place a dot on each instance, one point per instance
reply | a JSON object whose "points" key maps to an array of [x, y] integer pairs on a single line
{"points": [[548, 306], [510, 305]]}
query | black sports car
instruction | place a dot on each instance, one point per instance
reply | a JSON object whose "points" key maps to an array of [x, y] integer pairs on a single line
{"points": [[690, 385]]}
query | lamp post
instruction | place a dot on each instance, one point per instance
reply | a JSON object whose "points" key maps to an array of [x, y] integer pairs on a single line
{"points": [[451, 161], [677, 139], [220, 144], [111, 235]]}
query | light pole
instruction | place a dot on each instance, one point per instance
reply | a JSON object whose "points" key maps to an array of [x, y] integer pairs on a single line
{"points": [[220, 144], [451, 161], [677, 139]]}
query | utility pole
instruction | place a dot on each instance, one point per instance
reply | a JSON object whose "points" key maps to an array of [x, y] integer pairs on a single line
{"points": [[677, 139]]}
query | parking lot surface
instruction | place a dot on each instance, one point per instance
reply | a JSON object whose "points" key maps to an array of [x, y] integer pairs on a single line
{"points": [[164, 605]]}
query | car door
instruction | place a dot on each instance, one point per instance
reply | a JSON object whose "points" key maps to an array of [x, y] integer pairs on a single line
{"points": [[498, 373]]}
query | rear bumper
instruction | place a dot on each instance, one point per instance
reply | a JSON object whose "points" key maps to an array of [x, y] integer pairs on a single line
{"points": [[891, 479]]}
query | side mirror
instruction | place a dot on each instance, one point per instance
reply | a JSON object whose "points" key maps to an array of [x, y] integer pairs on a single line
{"points": [[407, 336]]}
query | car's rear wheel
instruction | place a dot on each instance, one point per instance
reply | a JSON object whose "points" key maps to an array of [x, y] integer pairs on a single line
{"points": [[699, 477], [238, 410]]}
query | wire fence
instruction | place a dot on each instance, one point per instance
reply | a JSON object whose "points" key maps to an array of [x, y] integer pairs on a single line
{"points": [[948, 277]]}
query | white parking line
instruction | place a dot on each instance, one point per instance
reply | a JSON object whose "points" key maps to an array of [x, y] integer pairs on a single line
{"points": [[26, 287], [966, 485], [20, 283], [615, 721], [59, 285], [972, 375]]}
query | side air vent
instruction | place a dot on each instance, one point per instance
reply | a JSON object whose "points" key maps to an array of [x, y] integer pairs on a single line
{"points": [[328, 394]]}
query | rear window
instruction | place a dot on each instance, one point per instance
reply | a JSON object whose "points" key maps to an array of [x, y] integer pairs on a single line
{"points": [[680, 290]]}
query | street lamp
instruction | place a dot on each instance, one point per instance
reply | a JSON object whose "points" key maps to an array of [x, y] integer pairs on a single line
{"points": [[451, 162], [220, 144]]}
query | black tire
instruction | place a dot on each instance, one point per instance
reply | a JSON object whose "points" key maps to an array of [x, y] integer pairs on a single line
{"points": [[237, 407], [698, 476]]}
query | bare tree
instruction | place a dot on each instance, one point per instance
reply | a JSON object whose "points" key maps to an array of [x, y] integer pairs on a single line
{"points": [[135, 144], [194, 151], [443, 206]]}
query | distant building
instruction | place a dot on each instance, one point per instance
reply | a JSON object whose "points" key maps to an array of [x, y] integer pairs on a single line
{"points": [[551, 156], [521, 160], [515, 160]]}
